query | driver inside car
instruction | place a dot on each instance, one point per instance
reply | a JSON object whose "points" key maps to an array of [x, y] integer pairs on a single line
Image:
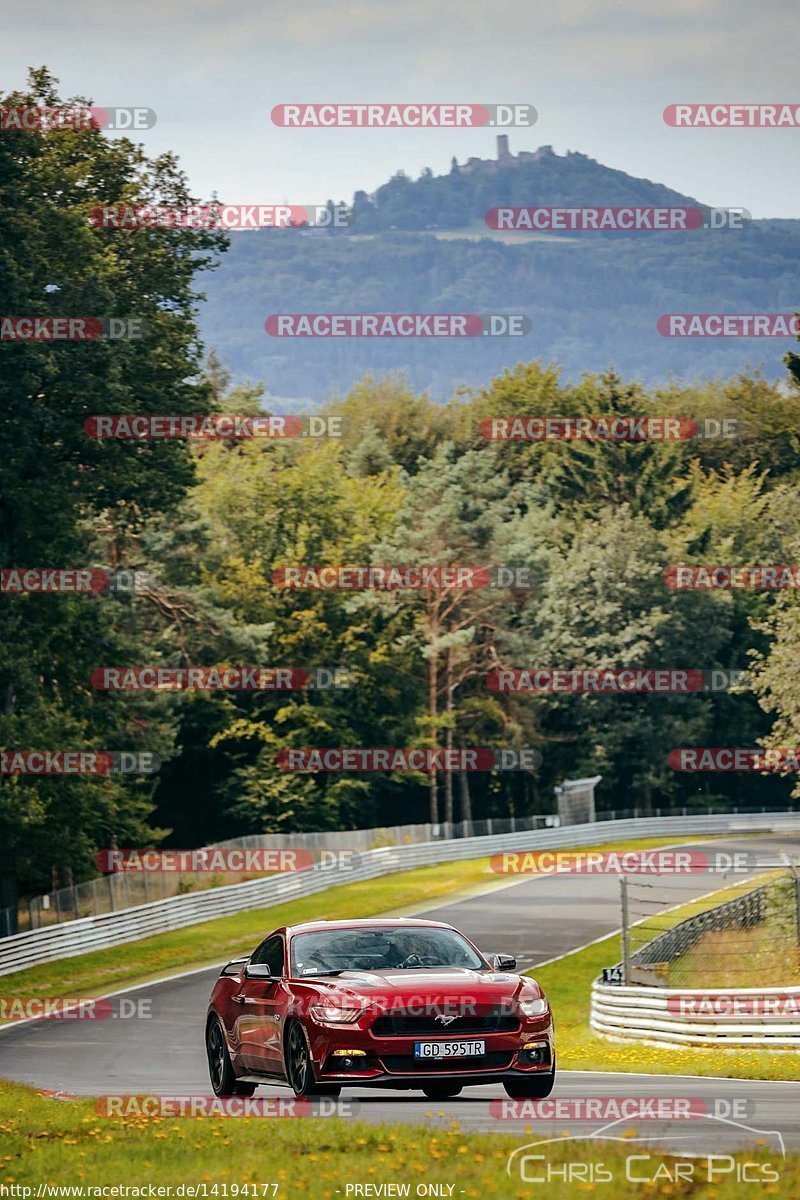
{"points": [[376, 951]]}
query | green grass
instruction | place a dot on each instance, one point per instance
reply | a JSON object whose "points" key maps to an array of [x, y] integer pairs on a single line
{"points": [[766, 954], [66, 1143], [568, 983], [211, 942], [760, 956]]}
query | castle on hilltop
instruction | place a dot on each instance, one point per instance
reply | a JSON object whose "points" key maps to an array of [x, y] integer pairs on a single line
{"points": [[506, 159]]}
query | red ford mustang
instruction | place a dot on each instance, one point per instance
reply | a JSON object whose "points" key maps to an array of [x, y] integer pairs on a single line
{"points": [[399, 1003]]}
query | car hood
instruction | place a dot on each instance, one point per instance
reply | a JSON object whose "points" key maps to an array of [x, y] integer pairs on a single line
{"points": [[427, 985]]}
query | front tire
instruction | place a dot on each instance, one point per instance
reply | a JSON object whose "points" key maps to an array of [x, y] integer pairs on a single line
{"points": [[220, 1067], [441, 1091], [299, 1068]]}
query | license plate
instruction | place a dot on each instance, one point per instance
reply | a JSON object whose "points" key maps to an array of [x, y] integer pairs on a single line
{"points": [[448, 1049]]}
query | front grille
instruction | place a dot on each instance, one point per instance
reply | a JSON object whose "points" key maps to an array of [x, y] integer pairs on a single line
{"points": [[498, 1020], [399, 1063]]}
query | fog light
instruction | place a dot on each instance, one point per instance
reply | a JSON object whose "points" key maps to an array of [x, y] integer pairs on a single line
{"points": [[536, 1052], [348, 1060]]}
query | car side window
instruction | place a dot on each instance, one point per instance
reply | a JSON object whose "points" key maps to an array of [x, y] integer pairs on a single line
{"points": [[271, 954]]}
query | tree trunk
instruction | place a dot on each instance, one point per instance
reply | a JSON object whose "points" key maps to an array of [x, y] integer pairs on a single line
{"points": [[433, 711], [448, 737], [466, 800]]}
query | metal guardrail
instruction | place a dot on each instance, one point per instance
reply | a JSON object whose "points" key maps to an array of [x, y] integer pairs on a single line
{"points": [[129, 925], [643, 1014], [126, 889]]}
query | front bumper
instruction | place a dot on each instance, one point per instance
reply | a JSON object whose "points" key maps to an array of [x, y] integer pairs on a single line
{"points": [[390, 1061]]}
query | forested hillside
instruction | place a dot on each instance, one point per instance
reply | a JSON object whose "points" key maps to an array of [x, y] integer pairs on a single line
{"points": [[424, 246]]}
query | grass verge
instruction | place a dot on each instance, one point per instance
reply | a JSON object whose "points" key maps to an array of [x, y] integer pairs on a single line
{"points": [[66, 1144]]}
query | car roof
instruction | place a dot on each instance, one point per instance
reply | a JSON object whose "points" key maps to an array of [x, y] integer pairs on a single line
{"points": [[367, 923]]}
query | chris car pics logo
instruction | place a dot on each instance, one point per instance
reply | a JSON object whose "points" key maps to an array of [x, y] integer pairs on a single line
{"points": [[684, 1160]]}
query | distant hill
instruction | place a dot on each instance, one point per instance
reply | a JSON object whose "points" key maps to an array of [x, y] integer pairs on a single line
{"points": [[460, 199], [423, 246]]}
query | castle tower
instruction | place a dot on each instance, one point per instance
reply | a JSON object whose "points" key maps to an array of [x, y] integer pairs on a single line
{"points": [[503, 153]]}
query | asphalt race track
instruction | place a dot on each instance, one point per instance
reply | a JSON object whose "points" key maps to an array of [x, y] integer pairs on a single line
{"points": [[535, 918]]}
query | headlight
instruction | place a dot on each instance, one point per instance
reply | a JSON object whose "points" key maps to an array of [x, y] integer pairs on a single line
{"points": [[334, 1014], [533, 1008]]}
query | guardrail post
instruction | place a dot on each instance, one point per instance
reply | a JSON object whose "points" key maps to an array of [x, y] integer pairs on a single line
{"points": [[623, 893]]}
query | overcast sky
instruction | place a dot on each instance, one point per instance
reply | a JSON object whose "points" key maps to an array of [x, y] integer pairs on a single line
{"points": [[599, 72]]}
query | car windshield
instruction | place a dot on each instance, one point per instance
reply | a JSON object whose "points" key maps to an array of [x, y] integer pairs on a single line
{"points": [[329, 951]]}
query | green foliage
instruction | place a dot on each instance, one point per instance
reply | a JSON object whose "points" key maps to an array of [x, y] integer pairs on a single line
{"points": [[410, 482], [69, 500]]}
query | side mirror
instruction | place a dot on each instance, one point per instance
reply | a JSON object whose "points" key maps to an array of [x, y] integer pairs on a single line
{"points": [[234, 966], [259, 971], [503, 962]]}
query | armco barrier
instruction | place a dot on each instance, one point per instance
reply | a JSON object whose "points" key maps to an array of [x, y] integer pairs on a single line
{"points": [[129, 925], [127, 889], [642, 1014]]}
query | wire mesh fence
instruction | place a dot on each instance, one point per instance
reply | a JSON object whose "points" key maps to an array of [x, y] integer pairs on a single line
{"points": [[752, 934]]}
